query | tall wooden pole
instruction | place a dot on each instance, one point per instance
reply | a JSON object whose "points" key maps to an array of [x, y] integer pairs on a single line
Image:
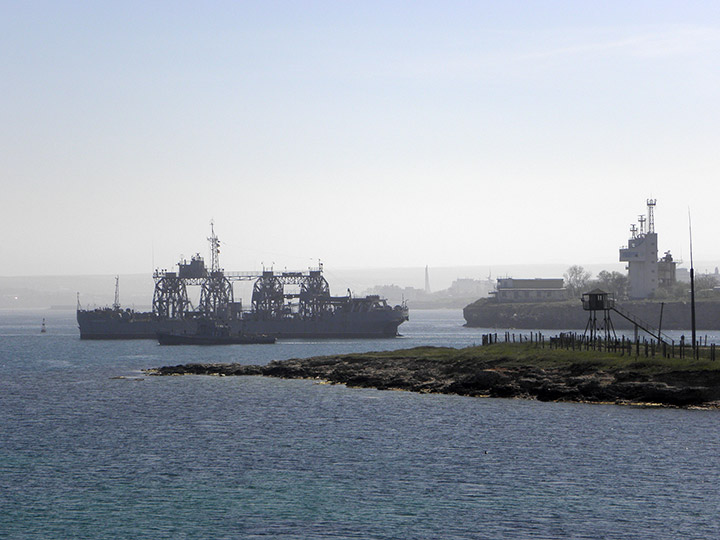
{"points": [[692, 290]]}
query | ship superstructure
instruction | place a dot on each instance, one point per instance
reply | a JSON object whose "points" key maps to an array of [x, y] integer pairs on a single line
{"points": [[283, 304], [645, 271]]}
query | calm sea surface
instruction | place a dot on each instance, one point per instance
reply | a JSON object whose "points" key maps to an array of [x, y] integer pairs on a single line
{"points": [[85, 454]]}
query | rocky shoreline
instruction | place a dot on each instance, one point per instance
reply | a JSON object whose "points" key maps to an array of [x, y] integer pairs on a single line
{"points": [[482, 372]]}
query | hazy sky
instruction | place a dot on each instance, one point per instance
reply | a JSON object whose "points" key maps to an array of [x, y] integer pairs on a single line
{"points": [[362, 133]]}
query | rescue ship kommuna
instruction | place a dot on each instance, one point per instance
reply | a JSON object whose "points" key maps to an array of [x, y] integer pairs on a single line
{"points": [[304, 310]]}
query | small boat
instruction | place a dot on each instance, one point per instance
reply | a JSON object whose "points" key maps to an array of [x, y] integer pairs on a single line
{"points": [[213, 333]]}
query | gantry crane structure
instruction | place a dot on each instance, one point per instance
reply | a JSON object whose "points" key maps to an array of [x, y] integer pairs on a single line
{"points": [[269, 296]]}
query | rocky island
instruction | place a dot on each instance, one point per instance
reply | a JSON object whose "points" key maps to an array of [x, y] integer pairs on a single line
{"points": [[519, 370], [488, 313]]}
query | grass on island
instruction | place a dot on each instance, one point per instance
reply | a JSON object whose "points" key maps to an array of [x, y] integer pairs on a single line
{"points": [[513, 355]]}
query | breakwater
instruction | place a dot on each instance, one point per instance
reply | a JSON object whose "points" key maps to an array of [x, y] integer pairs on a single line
{"points": [[501, 370]]}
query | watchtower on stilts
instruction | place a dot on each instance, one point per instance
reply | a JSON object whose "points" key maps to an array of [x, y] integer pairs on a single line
{"points": [[595, 301]]}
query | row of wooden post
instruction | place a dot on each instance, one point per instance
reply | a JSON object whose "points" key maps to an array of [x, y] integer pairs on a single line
{"points": [[574, 341]]}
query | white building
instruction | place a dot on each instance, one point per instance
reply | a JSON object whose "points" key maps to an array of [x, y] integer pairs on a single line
{"points": [[530, 290]]}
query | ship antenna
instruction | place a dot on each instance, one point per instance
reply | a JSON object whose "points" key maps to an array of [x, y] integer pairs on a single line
{"points": [[651, 215], [641, 220], [116, 303], [214, 249]]}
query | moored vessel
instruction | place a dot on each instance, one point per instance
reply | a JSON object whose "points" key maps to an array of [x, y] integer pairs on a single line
{"points": [[283, 305], [211, 332]]}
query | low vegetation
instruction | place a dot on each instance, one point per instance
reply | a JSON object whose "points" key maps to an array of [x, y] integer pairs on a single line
{"points": [[534, 355]]}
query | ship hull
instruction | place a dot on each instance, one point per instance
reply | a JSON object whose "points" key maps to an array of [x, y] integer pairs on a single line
{"points": [[100, 324], [382, 324], [106, 324], [180, 339]]}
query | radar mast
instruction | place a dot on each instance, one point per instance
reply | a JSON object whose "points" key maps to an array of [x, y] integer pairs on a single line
{"points": [[116, 303], [641, 220], [651, 215], [214, 249]]}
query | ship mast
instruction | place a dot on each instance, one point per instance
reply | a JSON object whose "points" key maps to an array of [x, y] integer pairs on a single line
{"points": [[116, 303], [214, 250], [216, 294], [651, 215]]}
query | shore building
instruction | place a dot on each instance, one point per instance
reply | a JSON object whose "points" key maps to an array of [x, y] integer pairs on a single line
{"points": [[530, 290]]}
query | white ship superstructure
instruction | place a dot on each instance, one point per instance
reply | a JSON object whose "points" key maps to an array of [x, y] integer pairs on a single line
{"points": [[641, 256]]}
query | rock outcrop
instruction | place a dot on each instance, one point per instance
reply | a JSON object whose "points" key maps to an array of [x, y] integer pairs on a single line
{"points": [[451, 371], [486, 313]]}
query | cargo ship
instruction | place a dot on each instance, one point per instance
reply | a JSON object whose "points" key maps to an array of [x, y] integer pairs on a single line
{"points": [[284, 305]]}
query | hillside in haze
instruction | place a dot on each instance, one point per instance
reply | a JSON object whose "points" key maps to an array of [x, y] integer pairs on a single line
{"points": [[136, 290]]}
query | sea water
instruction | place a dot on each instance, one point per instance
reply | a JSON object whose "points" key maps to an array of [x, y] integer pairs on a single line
{"points": [[91, 447]]}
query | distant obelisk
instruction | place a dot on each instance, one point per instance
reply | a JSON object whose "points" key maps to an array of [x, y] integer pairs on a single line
{"points": [[427, 280]]}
